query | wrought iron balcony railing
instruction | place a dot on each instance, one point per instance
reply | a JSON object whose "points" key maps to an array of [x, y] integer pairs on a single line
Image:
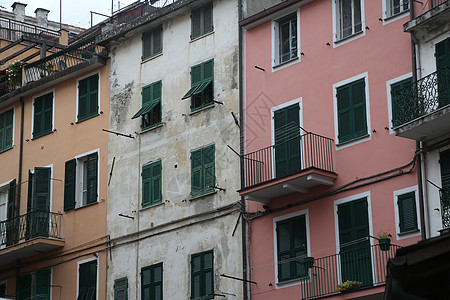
{"points": [[30, 225], [445, 207], [366, 266], [421, 97], [435, 3], [299, 153], [13, 30], [73, 55]]}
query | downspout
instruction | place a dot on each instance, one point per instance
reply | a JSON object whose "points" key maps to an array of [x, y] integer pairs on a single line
{"points": [[19, 179], [418, 143], [244, 234]]}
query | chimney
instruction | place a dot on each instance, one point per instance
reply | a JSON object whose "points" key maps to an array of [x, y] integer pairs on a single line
{"points": [[42, 16], [19, 11]]}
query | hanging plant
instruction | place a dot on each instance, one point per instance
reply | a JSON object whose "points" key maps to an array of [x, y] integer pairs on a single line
{"points": [[14, 72]]}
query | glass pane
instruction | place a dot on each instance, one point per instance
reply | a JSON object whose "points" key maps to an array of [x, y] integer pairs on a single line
{"points": [[284, 242], [293, 38], [284, 42], [357, 16], [346, 18], [145, 277]]}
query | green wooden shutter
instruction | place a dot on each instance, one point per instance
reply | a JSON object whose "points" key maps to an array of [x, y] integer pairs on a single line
{"points": [[202, 274], [47, 113], [11, 199], [146, 185], [299, 246], [359, 108], [209, 167], [397, 101], [197, 183], [42, 284], [156, 91], [443, 69], [444, 161], [195, 276], [208, 70], [293, 138], [281, 154], [157, 40], [196, 23], [87, 288], [23, 287], [208, 273], [156, 290], [38, 116], [407, 212], [8, 129], [196, 81], [69, 184], [207, 18], [93, 94], [121, 289], [146, 94], [283, 230], [92, 172], [146, 45], [41, 195], [344, 114], [156, 182], [82, 99]]}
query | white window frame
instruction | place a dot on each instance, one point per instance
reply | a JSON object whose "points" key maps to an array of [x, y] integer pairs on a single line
{"points": [[276, 63], [397, 193], [389, 97], [272, 125], [78, 273], [53, 111], [336, 228], [388, 16], [79, 177], [98, 94], [275, 220], [337, 32]]}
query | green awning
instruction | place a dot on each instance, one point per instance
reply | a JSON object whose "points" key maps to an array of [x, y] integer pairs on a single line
{"points": [[202, 87], [190, 92], [146, 108]]}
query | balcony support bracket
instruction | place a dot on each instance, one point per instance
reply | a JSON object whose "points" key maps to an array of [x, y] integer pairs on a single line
{"points": [[320, 179], [295, 188], [257, 199]]}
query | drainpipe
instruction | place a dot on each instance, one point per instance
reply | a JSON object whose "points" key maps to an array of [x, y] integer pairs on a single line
{"points": [[244, 234], [418, 143], [19, 179]]}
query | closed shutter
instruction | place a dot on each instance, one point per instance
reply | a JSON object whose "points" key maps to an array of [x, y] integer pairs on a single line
{"points": [[92, 171], [299, 246], [8, 129], [359, 108], [146, 185], [42, 284], [445, 181], [41, 197], [196, 81], [24, 287], [11, 199], [156, 91], [157, 40], [69, 184], [196, 23], [207, 18], [48, 113], [93, 95], [202, 274], [146, 94], [196, 171], [284, 250], [87, 289], [443, 69], [407, 212], [38, 116], [146, 45], [82, 99], [121, 289], [157, 282], [281, 154], [344, 117], [208, 167], [156, 182]]}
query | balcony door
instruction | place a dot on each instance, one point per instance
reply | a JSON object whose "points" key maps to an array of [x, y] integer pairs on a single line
{"points": [[443, 71], [287, 141], [38, 219], [445, 192], [355, 255]]}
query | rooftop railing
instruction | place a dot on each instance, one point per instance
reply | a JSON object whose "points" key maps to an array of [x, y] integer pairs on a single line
{"points": [[422, 97], [71, 56], [277, 161], [30, 225], [365, 266], [13, 30]]}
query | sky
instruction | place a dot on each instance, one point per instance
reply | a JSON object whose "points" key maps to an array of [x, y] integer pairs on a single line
{"points": [[74, 12]]}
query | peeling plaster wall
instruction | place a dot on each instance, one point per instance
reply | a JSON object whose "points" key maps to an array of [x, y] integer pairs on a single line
{"points": [[180, 133]]}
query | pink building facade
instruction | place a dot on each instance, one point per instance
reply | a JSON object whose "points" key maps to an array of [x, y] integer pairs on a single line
{"points": [[324, 174]]}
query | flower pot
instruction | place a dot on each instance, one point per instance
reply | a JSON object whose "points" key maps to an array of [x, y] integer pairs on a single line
{"points": [[385, 244], [308, 262]]}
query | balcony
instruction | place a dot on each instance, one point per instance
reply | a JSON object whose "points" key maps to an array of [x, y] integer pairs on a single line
{"points": [[294, 165], [421, 109], [365, 265], [29, 234], [445, 207]]}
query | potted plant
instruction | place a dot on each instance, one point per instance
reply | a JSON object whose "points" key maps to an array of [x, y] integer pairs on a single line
{"points": [[349, 286], [308, 262], [14, 72], [384, 241]]}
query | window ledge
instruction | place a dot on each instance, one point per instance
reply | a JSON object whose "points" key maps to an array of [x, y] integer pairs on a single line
{"points": [[201, 36], [151, 57], [6, 149], [42, 134], [87, 118], [400, 15], [152, 206], [408, 232], [208, 106], [353, 140], [286, 62], [87, 205], [208, 193], [291, 282], [342, 40], [153, 127]]}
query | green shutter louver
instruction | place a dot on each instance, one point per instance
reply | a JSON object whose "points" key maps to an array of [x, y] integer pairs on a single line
{"points": [[407, 212], [196, 23], [87, 277], [146, 45], [41, 195], [23, 287], [11, 199], [202, 21], [151, 105], [43, 115], [152, 282], [152, 42], [92, 172], [121, 289], [88, 97], [42, 280], [6, 129], [151, 184], [443, 71], [202, 275], [208, 167], [196, 171], [202, 85], [69, 184], [82, 99]]}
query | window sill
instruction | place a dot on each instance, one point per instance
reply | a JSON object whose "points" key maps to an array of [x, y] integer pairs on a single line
{"points": [[42, 134], [201, 36], [6, 149], [151, 57], [291, 282], [153, 127], [152, 206], [286, 63], [202, 108], [207, 193], [87, 205], [87, 118], [392, 18], [348, 38], [353, 140], [408, 232]]}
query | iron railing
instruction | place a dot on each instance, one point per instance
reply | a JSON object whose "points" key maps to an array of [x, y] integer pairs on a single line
{"points": [[73, 55], [365, 265], [13, 30], [445, 207], [6, 85], [132, 12], [421, 97], [30, 225], [435, 3], [314, 151]]}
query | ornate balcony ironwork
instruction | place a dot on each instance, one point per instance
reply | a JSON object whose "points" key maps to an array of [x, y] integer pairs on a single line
{"points": [[445, 207]]}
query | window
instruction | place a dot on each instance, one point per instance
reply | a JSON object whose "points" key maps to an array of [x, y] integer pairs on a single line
{"points": [[152, 42], [151, 184], [39, 192], [349, 18], [291, 248], [351, 111], [88, 97], [202, 170], [202, 85], [407, 212], [151, 105], [202, 275], [202, 21], [121, 289], [152, 282], [87, 280], [395, 7], [287, 38], [81, 181], [6, 129], [43, 115], [401, 101], [442, 54], [34, 286]]}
